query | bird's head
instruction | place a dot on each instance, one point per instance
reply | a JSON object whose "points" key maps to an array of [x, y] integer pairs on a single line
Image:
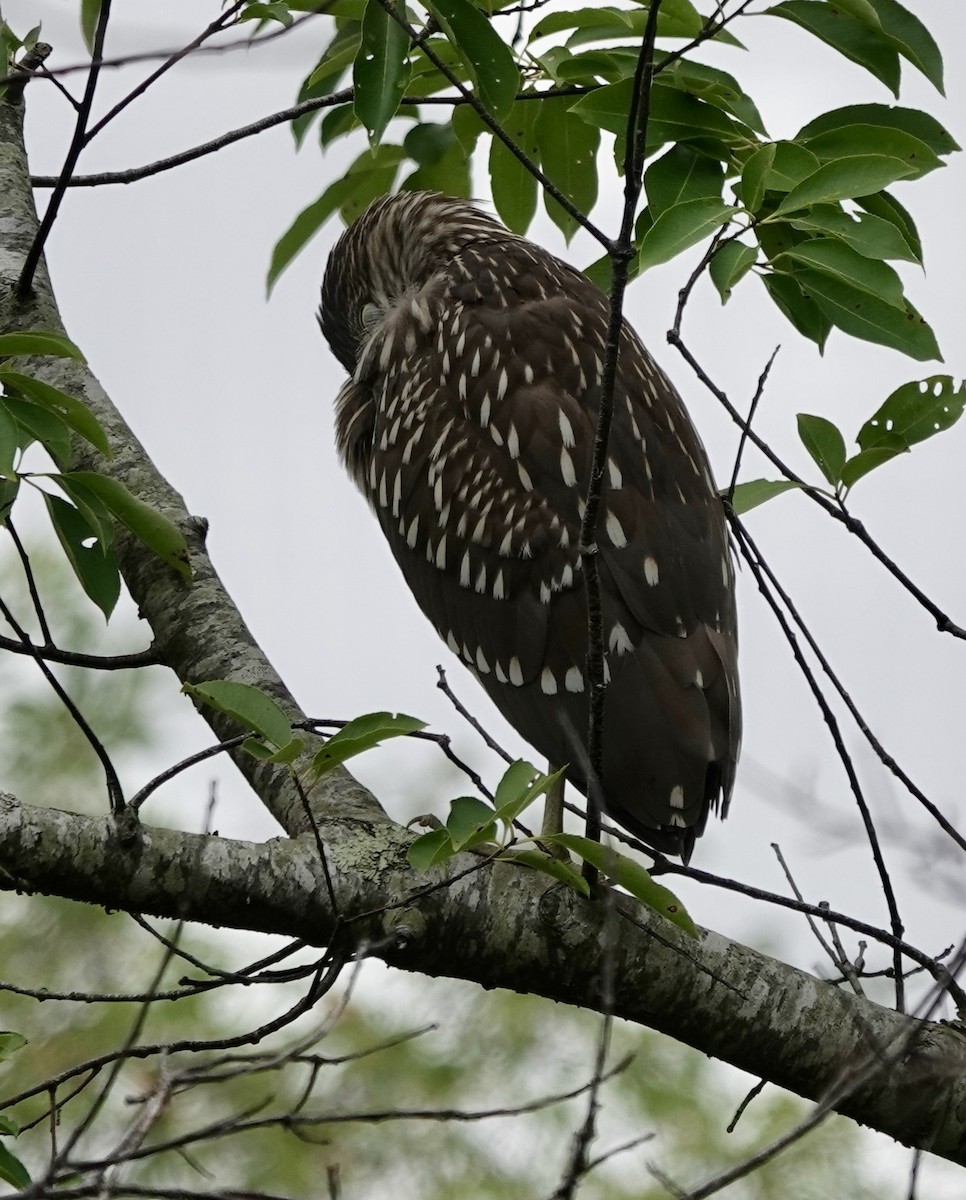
{"points": [[393, 248]]}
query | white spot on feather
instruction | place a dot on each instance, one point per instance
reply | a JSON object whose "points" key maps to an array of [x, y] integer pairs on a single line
{"points": [[548, 682], [574, 680], [516, 672], [652, 574]]}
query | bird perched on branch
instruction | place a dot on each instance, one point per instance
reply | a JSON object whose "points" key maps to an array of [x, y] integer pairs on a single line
{"points": [[468, 422]]}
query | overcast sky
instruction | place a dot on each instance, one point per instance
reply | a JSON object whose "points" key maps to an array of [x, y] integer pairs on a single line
{"points": [[162, 285]]}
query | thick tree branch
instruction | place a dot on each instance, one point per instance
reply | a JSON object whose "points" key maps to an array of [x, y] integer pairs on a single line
{"points": [[502, 925], [198, 631]]}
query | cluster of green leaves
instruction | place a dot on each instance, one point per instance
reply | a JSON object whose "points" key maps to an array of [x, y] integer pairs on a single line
{"points": [[811, 216], [34, 412], [472, 824], [912, 413]]}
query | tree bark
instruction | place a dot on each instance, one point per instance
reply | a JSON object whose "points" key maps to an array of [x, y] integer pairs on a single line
{"points": [[497, 924]]}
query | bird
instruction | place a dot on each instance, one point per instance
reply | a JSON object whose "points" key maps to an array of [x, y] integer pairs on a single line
{"points": [[475, 362]]}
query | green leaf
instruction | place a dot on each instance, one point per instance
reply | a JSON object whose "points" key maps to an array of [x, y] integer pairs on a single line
{"points": [[732, 260], [361, 734], [682, 174], [910, 120], [487, 57], [837, 259], [73, 413], [881, 204], [92, 562], [337, 58], [844, 180], [753, 176], [54, 344], [42, 426], [371, 175], [93, 509], [849, 36], [747, 496], [715, 86], [521, 784], [867, 460], [10, 1043], [869, 235], [248, 705], [911, 38], [824, 443], [680, 227], [146, 523], [841, 143], [467, 125], [12, 439], [430, 849], [556, 868], [443, 164], [12, 1170], [568, 154], [865, 316], [336, 123], [674, 116], [90, 12], [381, 70], [630, 875], [914, 412], [514, 188], [803, 312], [470, 822]]}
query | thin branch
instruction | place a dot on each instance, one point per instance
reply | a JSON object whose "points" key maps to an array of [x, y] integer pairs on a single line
{"points": [[25, 282], [72, 658], [753, 559], [216, 26], [115, 792]]}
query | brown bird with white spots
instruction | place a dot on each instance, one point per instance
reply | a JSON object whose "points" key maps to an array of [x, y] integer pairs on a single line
{"points": [[468, 421]]}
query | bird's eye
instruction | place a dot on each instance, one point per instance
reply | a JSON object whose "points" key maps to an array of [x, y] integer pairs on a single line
{"points": [[371, 314]]}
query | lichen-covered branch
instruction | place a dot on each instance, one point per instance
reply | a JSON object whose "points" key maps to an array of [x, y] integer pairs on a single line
{"points": [[198, 631], [502, 925]]}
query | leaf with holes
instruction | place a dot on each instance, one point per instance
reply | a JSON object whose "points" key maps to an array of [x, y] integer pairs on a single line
{"points": [[146, 523], [568, 153], [824, 443], [92, 562], [747, 496], [381, 70], [487, 57], [915, 411], [630, 875], [514, 187]]}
